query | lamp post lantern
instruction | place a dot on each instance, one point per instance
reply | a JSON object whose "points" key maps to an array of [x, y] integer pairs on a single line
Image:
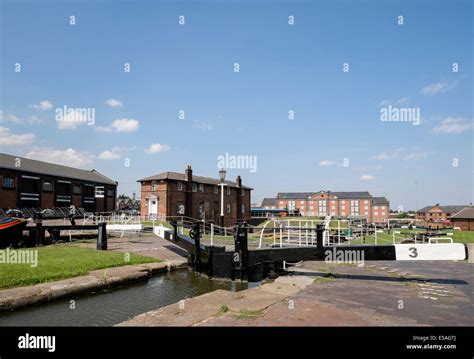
{"points": [[222, 173]]}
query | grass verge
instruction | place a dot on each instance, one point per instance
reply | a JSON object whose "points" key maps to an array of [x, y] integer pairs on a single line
{"points": [[58, 262]]}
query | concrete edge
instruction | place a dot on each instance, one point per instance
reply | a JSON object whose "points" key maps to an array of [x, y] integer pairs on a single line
{"points": [[100, 279]]}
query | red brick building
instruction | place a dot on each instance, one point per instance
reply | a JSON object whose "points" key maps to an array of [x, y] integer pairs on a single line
{"points": [[171, 194], [438, 213], [344, 204], [27, 183], [464, 219]]}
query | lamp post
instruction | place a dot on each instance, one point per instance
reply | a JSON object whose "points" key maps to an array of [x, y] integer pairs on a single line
{"points": [[222, 173]]}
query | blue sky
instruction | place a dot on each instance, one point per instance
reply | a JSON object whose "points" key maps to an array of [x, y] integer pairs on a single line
{"points": [[283, 68]]}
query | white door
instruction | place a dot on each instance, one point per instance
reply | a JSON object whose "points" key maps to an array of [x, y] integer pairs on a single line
{"points": [[153, 207]]}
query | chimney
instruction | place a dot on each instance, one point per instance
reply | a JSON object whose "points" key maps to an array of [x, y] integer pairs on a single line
{"points": [[188, 173], [133, 195], [239, 181]]}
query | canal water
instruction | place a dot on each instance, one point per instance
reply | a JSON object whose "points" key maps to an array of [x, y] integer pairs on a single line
{"points": [[110, 307]]}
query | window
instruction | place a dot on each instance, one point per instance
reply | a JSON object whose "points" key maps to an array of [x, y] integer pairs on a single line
{"points": [[110, 193], [322, 208], [201, 187], [242, 192], [243, 208], [179, 186], [228, 190], [153, 185], [194, 187], [8, 182], [99, 192], [76, 189], [354, 208], [47, 187], [228, 208], [216, 189]]}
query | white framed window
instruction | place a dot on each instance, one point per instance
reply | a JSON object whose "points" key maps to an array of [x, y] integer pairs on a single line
{"points": [[228, 208], [153, 185], [228, 190], [194, 187], [99, 192], [201, 187], [216, 189], [179, 186], [243, 208]]}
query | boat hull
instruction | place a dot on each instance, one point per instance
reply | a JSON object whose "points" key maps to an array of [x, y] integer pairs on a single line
{"points": [[11, 231]]}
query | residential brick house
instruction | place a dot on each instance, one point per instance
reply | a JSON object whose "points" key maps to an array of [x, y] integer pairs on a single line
{"points": [[27, 183], [438, 213], [464, 219], [172, 194], [344, 204]]}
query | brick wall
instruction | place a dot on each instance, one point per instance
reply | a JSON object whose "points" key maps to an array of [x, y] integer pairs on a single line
{"points": [[198, 204]]}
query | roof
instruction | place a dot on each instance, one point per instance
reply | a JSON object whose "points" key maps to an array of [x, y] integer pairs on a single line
{"points": [[342, 195], [466, 213], [294, 195], [446, 209], [349, 195], [52, 169], [379, 200], [269, 202], [182, 177]]}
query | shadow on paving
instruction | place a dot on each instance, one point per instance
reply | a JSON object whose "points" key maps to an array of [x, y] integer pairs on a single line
{"points": [[383, 278], [176, 250]]}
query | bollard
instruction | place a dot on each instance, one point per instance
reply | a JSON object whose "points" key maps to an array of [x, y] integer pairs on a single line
{"points": [[195, 233], [319, 240], [102, 237], [39, 228], [241, 253]]}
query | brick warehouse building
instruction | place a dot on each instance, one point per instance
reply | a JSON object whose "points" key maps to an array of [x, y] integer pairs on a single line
{"points": [[323, 203], [438, 213], [464, 219], [170, 194], [27, 183]]}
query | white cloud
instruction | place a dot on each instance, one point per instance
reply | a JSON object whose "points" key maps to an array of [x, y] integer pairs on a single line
{"points": [[202, 125], [114, 103], [67, 157], [157, 148], [8, 117], [366, 177], [452, 125], [401, 101], [72, 120], [327, 163], [44, 105], [384, 156], [121, 125], [438, 87], [416, 156], [114, 154], [387, 155], [7, 138]]}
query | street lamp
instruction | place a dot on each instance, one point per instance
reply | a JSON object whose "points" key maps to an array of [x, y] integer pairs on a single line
{"points": [[222, 173]]}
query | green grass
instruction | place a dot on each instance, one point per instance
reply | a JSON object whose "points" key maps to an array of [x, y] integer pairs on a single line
{"points": [[328, 278], [224, 309], [58, 262], [249, 314]]}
